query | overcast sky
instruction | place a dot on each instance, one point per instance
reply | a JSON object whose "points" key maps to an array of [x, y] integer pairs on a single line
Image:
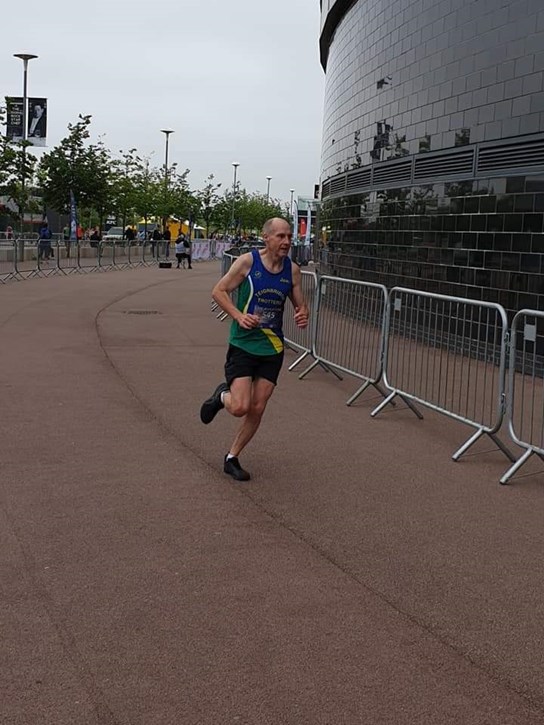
{"points": [[238, 80]]}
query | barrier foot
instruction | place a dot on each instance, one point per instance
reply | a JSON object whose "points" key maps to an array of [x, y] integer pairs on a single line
{"points": [[298, 360], [500, 445], [412, 407], [468, 444], [328, 369], [517, 465], [358, 392], [362, 390], [308, 370], [35, 273], [382, 405], [54, 272], [472, 440], [390, 399]]}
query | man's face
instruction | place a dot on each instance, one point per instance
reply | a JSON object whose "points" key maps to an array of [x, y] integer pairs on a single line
{"points": [[278, 240]]}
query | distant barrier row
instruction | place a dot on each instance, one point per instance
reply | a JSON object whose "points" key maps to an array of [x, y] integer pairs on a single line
{"points": [[456, 356], [27, 258]]}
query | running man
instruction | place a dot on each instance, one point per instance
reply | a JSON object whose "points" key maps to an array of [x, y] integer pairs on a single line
{"points": [[265, 279]]}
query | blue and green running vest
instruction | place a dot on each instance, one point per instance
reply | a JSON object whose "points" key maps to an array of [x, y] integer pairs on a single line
{"points": [[262, 293]]}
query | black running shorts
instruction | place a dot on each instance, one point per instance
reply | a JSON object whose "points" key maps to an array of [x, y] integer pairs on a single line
{"points": [[242, 364]]}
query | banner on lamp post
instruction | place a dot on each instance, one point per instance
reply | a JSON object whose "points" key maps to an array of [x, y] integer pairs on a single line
{"points": [[73, 217], [14, 118], [36, 120]]}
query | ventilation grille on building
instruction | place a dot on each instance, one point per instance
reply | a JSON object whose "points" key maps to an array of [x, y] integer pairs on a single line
{"points": [[338, 184], [444, 165], [391, 173], [526, 156], [511, 156], [359, 179]]}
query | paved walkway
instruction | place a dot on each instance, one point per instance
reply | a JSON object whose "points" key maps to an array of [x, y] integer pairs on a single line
{"points": [[361, 577]]}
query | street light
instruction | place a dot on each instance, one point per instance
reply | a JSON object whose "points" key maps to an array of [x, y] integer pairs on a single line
{"points": [[268, 178], [235, 165], [167, 132], [25, 57], [295, 221]]}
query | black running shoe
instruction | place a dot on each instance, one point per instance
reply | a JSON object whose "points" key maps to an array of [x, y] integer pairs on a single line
{"points": [[233, 468], [211, 407]]}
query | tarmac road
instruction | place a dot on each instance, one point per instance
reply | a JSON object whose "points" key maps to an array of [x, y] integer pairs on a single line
{"points": [[361, 577]]}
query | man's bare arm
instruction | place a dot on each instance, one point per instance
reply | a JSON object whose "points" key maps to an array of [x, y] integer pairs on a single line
{"points": [[227, 284], [302, 313]]}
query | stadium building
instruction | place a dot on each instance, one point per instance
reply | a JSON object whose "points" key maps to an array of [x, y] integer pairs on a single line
{"points": [[432, 172]]}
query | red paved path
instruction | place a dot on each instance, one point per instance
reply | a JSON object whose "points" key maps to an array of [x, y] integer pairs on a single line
{"points": [[360, 578]]}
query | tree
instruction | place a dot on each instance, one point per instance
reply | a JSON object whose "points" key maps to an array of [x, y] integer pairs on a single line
{"points": [[147, 187], [124, 175], [176, 198], [209, 202], [74, 165], [251, 210]]}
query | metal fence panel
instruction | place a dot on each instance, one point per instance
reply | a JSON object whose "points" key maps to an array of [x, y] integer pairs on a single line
{"points": [[135, 254], [68, 256], [8, 260], [526, 386], [449, 354], [296, 338], [227, 260], [348, 332]]}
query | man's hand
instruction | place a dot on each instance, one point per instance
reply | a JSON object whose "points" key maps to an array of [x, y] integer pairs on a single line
{"points": [[248, 322], [301, 317]]}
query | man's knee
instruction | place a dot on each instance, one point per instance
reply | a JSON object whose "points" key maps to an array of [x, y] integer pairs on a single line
{"points": [[257, 407], [239, 408]]}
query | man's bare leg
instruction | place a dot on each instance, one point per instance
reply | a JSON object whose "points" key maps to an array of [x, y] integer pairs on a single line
{"points": [[260, 394], [237, 400]]}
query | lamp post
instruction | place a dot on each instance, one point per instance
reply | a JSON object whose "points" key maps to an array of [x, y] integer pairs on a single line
{"points": [[25, 57], [268, 178], [291, 204], [235, 165], [295, 221], [167, 132]]}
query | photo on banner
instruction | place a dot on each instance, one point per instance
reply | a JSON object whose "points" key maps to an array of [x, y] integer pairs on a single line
{"points": [[36, 120]]}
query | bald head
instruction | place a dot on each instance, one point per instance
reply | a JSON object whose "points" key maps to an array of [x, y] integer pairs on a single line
{"points": [[271, 224]]}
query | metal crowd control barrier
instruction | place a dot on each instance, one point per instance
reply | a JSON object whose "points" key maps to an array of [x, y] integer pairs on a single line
{"points": [[135, 254], [62, 257], [298, 339], [227, 260], [526, 387], [47, 260], [449, 354], [349, 330], [68, 257], [8, 260]]}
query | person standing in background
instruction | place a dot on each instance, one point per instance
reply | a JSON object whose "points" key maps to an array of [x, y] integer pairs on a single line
{"points": [[44, 244]]}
